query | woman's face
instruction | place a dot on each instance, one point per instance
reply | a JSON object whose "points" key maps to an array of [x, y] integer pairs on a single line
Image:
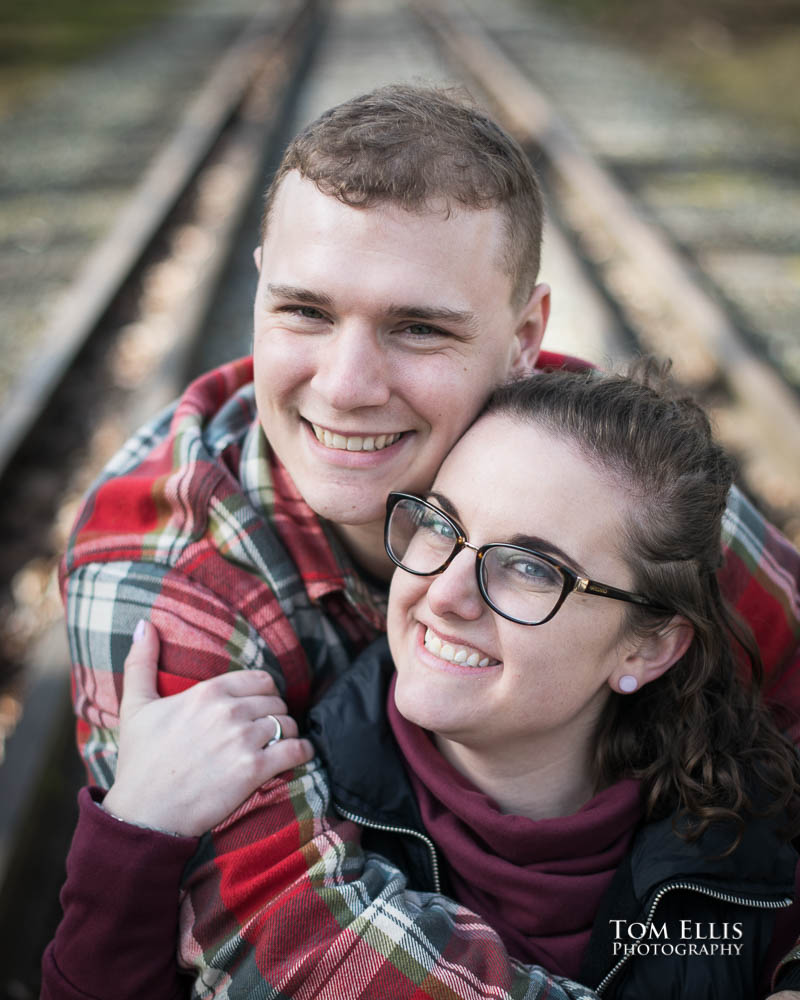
{"points": [[543, 686]]}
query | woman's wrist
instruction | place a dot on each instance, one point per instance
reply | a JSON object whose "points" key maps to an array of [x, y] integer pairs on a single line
{"points": [[141, 825], [118, 807]]}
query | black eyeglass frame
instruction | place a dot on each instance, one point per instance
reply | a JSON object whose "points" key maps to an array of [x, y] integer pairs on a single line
{"points": [[573, 582]]}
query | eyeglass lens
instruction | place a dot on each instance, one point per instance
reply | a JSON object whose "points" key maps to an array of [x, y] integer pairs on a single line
{"points": [[517, 582]]}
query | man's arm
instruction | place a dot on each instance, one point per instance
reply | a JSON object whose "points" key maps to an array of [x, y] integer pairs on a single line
{"points": [[202, 637], [316, 917], [280, 896], [761, 577]]}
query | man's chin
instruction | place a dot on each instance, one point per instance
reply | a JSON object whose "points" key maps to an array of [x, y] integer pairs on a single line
{"points": [[348, 510]]}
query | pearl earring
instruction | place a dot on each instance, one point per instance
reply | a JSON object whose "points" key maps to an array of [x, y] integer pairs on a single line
{"points": [[628, 683]]}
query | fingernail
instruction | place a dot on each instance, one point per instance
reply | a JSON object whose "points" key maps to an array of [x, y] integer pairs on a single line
{"points": [[138, 632]]}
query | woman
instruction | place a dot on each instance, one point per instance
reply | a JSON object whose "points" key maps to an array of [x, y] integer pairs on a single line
{"points": [[601, 786]]}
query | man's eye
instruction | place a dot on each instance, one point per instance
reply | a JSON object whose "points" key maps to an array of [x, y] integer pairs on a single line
{"points": [[423, 330], [300, 312]]}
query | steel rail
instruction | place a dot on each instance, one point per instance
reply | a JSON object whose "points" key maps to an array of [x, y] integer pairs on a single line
{"points": [[112, 261], [241, 108]]}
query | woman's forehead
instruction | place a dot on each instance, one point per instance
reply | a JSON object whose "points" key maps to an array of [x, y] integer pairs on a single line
{"points": [[509, 476]]}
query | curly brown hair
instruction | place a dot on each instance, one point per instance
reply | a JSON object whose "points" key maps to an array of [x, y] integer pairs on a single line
{"points": [[699, 737], [419, 148]]}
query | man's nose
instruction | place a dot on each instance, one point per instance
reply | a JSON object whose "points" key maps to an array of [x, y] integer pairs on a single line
{"points": [[455, 591], [352, 370]]}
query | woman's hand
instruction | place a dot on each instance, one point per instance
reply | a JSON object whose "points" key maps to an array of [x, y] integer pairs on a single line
{"points": [[187, 761]]}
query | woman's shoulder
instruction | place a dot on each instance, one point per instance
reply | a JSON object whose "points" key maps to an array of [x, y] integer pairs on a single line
{"points": [[756, 860], [691, 918]]}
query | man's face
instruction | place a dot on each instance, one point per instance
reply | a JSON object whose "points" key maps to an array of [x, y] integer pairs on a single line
{"points": [[378, 335]]}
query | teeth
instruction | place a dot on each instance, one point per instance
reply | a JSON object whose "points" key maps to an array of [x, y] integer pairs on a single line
{"points": [[355, 442], [453, 654]]}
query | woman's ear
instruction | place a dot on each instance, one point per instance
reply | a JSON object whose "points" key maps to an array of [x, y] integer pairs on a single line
{"points": [[653, 655]]}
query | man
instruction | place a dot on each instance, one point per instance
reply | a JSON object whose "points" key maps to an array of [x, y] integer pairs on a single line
{"points": [[397, 287]]}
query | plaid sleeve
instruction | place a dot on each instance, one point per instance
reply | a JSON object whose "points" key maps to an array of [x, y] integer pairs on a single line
{"points": [[279, 900], [201, 637], [761, 577], [300, 911]]}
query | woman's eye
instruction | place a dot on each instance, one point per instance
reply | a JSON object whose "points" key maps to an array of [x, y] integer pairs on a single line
{"points": [[533, 571], [438, 526]]}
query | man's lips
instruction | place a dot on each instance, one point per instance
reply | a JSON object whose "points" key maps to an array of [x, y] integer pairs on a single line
{"points": [[338, 441]]}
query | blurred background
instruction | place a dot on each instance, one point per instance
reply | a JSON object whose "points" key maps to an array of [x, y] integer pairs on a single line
{"points": [[136, 139]]}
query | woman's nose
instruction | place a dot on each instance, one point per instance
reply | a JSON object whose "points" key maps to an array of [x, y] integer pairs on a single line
{"points": [[455, 591]]}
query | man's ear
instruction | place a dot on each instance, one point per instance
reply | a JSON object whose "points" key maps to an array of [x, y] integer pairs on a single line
{"points": [[653, 655], [257, 258], [531, 325]]}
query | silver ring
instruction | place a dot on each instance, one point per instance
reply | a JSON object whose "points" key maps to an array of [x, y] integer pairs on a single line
{"points": [[278, 732]]}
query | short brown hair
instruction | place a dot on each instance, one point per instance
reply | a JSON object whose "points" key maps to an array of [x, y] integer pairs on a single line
{"points": [[416, 147]]}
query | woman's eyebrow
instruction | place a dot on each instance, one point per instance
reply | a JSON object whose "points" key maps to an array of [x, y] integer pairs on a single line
{"points": [[548, 548], [534, 542], [447, 505]]}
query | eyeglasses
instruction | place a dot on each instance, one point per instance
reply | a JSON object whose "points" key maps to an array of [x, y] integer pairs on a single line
{"points": [[520, 584]]}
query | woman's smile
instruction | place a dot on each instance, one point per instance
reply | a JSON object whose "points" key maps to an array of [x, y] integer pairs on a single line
{"points": [[450, 650]]}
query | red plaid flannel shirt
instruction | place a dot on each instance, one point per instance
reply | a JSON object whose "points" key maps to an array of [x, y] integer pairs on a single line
{"points": [[196, 526]]}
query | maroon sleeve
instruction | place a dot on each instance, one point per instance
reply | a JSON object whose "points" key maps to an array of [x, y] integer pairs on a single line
{"points": [[119, 932]]}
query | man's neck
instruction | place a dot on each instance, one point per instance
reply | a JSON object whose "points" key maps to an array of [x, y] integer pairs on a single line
{"points": [[364, 544]]}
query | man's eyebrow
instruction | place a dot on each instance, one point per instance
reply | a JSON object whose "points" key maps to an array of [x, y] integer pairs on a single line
{"points": [[427, 314], [433, 314], [296, 294]]}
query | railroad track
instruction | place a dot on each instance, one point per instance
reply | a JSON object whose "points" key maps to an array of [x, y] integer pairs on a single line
{"points": [[128, 333], [118, 351], [124, 332]]}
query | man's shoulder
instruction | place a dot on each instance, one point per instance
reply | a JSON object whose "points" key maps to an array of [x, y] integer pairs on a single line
{"points": [[555, 359], [162, 482]]}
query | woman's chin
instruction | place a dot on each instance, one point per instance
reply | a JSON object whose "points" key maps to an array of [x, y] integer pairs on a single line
{"points": [[414, 704]]}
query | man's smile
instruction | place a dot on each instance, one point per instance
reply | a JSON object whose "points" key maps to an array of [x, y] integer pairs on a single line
{"points": [[353, 442]]}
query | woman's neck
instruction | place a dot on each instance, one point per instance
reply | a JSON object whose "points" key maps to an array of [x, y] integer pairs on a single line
{"points": [[540, 783]]}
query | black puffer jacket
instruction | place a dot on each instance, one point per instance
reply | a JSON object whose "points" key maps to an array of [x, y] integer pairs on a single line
{"points": [[672, 905]]}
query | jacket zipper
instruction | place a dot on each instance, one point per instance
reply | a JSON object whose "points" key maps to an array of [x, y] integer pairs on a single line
{"points": [[404, 831], [763, 904]]}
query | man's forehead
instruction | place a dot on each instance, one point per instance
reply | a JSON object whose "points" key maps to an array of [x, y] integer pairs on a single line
{"points": [[436, 259], [296, 188]]}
